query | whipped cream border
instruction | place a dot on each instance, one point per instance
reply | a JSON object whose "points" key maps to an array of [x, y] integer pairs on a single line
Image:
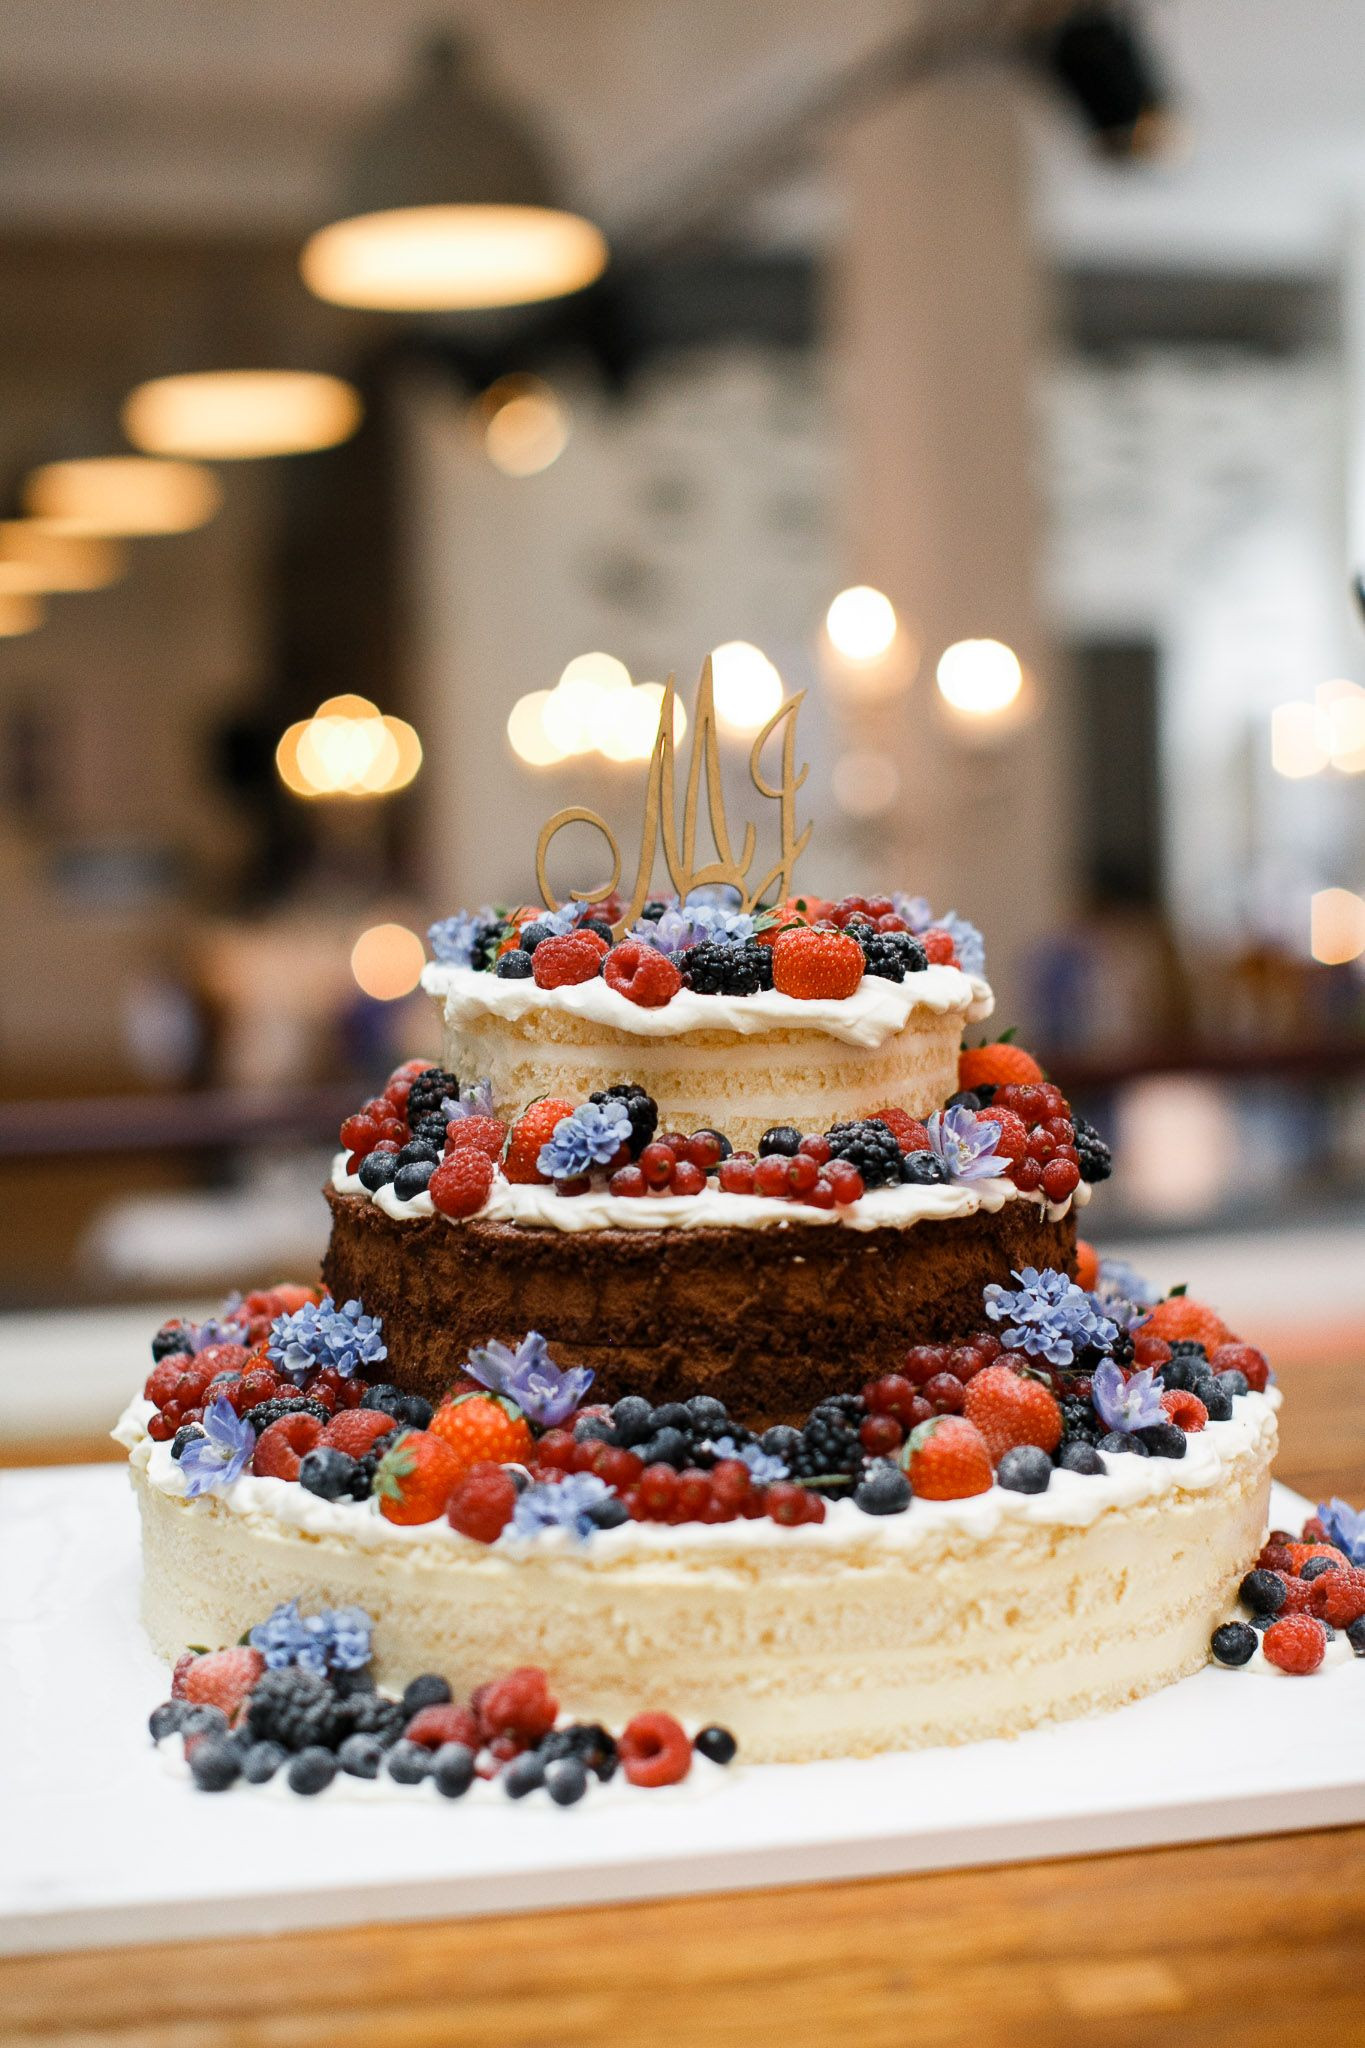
{"points": [[536, 1207], [876, 1011], [1072, 1501]]}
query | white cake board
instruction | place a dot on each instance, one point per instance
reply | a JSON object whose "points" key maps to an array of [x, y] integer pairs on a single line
{"points": [[102, 1844]]}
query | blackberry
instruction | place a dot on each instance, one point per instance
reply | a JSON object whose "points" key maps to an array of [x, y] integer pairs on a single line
{"points": [[297, 1709], [265, 1412], [1080, 1423], [892, 955], [588, 1741], [1096, 1160], [487, 938], [431, 1131], [362, 1479], [828, 1453], [711, 970], [428, 1092], [1188, 1347], [514, 966], [642, 1109], [170, 1339], [372, 1714], [872, 1148]]}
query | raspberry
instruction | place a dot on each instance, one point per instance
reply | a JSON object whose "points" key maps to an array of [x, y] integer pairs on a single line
{"points": [[223, 1678], [431, 1726], [180, 1672], [641, 974], [1296, 1644], [520, 1704], [815, 965], [562, 963], [1244, 1358], [1146, 1350], [281, 1449], [1012, 1143], [416, 1477], [462, 1183], [654, 1750], [484, 1134], [1179, 1319], [996, 1066], [1338, 1597], [356, 1430], [483, 1428], [1299, 1554], [1186, 1410], [1010, 1410], [938, 944], [908, 1132], [947, 1459], [532, 1130]]}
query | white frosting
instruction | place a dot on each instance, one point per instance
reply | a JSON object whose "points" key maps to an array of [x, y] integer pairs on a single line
{"points": [[1072, 1501], [876, 1011], [539, 1207]]}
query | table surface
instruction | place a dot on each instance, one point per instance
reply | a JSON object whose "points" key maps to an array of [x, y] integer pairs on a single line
{"points": [[1257, 1942]]}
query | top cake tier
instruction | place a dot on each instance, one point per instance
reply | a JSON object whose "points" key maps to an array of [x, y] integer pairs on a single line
{"points": [[737, 1063]]}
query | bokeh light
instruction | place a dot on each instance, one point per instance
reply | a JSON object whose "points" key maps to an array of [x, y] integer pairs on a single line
{"points": [[593, 709], [60, 561], [19, 613], [748, 689], [979, 678], [429, 259], [347, 748], [525, 425], [1336, 927], [861, 623], [238, 415], [122, 495], [1300, 740], [387, 961], [1342, 704]]}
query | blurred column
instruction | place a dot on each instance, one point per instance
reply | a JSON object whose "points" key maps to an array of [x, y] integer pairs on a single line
{"points": [[937, 311]]}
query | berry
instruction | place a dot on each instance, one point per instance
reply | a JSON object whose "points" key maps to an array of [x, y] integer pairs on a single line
{"points": [[563, 963], [282, 1447], [566, 1781], [588, 1742], [1061, 1178], [461, 1184], [654, 1750], [1245, 1359], [922, 1169], [1010, 1410], [641, 974], [945, 1393], [736, 1175], [1296, 1644], [356, 1430], [1234, 1643], [483, 1428], [1081, 1457], [1123, 1442], [296, 1708], [408, 1763], [452, 1769], [513, 965], [186, 1434], [223, 1678], [892, 1395], [712, 970], [415, 1477], [770, 1175], [532, 1130], [868, 1146], [431, 1726], [215, 1763], [997, 1066], [427, 1690], [780, 1138], [328, 1473], [881, 1436], [948, 1459], [1092, 1154], [707, 1149], [908, 1132], [939, 946], [1185, 1410], [829, 1447], [485, 1134], [643, 1111], [816, 965], [261, 1761], [885, 1490], [687, 1178], [1338, 1596], [312, 1771], [1179, 1317], [427, 1090], [482, 1502], [1025, 1469], [717, 1745], [520, 1704], [523, 1775], [891, 955]]}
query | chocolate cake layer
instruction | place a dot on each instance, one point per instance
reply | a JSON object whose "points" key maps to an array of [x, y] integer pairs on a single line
{"points": [[769, 1321]]}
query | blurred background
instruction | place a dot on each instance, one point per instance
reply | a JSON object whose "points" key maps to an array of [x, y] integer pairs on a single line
{"points": [[393, 394]]}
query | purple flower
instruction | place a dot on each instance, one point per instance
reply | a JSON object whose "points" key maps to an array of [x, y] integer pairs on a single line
{"points": [[764, 1468], [967, 940], [1345, 1527], [322, 1334], [1127, 1405], [964, 1145], [530, 1377], [568, 1505], [227, 1327], [1123, 1293], [452, 939], [1052, 1317], [592, 1136], [337, 1639], [218, 1456], [476, 1100]]}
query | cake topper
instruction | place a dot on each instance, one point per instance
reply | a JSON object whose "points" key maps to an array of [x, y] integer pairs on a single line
{"points": [[660, 821]]}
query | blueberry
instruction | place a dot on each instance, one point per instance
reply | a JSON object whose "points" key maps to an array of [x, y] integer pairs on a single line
{"points": [[1216, 1399], [1164, 1440], [531, 936], [203, 1721], [383, 1397], [1316, 1566], [408, 1763], [922, 1170], [186, 1434], [707, 1415], [1355, 1636], [418, 1152], [593, 1429], [632, 1420], [1233, 1382], [165, 1720], [326, 1472], [452, 1769], [609, 1513], [415, 1410], [1178, 1375], [718, 1744], [780, 1138], [885, 1490], [170, 1341], [1234, 1643], [312, 1771], [361, 1755], [965, 1098], [377, 1169], [1025, 1469], [430, 1690], [514, 965], [215, 1763], [666, 1447], [780, 1441], [1124, 1440], [261, 1762], [566, 1781], [524, 1774], [672, 1415], [411, 1181], [1262, 1592], [1082, 1458]]}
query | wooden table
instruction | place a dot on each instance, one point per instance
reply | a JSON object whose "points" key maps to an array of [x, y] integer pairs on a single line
{"points": [[1255, 1943]]}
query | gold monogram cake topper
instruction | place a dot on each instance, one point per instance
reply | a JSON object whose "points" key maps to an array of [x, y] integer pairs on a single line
{"points": [[661, 813]]}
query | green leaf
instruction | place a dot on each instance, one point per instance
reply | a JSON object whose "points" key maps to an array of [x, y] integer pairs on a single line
{"points": [[1176, 1292]]}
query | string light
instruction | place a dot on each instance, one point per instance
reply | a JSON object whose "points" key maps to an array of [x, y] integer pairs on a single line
{"points": [[748, 689], [1336, 927], [239, 415], [979, 678], [347, 748], [387, 961], [121, 495]]}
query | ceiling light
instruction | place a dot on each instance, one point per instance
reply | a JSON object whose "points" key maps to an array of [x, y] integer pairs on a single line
{"points": [[238, 415], [19, 613], [861, 623], [1336, 927], [60, 561], [525, 425], [121, 495], [979, 678]]}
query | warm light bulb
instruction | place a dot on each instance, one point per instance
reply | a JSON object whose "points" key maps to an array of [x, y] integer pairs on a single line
{"points": [[861, 623], [748, 689], [579, 706], [387, 961], [1336, 927], [61, 561], [347, 749], [525, 425], [1300, 740], [429, 259], [979, 678], [526, 731], [239, 415], [122, 494]]}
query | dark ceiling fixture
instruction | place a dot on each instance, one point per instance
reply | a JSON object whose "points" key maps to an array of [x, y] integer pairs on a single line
{"points": [[1101, 59]]}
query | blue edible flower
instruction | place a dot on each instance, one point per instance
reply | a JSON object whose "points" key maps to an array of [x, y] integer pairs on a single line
{"points": [[1127, 1404], [476, 1100], [967, 940], [567, 1505], [1123, 1291], [964, 1145], [765, 1469], [1345, 1527], [452, 939], [1052, 1317], [592, 1136], [321, 1334], [218, 1456], [530, 1377], [337, 1639]]}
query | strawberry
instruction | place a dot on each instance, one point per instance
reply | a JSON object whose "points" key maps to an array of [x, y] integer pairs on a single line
{"points": [[947, 1459], [908, 1132], [415, 1477], [281, 1448], [462, 1182], [486, 1134], [223, 1678], [534, 1128], [1185, 1410], [817, 965], [996, 1066], [181, 1671], [1010, 1410], [1087, 1263], [562, 963], [482, 1428], [641, 974], [356, 1430], [1180, 1320]]}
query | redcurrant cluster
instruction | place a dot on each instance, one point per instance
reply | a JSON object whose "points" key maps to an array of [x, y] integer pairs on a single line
{"points": [[672, 1164], [183, 1385], [932, 1381], [381, 1124], [810, 1175], [1038, 1136], [862, 914], [660, 1493]]}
